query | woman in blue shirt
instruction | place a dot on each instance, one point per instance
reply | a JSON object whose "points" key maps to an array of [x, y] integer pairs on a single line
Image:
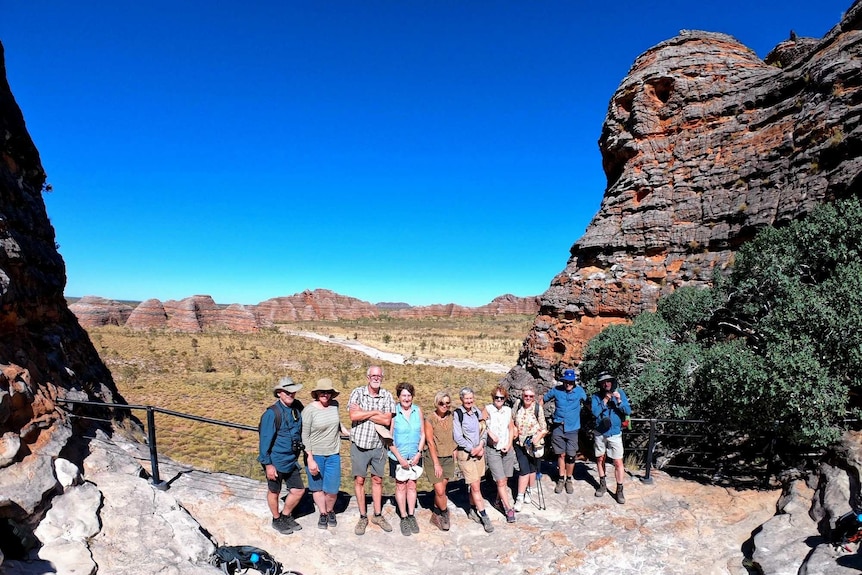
{"points": [[408, 441]]}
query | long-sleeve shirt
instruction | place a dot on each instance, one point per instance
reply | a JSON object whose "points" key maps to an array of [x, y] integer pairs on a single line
{"points": [[466, 430], [321, 429], [276, 445], [567, 406], [616, 411]]}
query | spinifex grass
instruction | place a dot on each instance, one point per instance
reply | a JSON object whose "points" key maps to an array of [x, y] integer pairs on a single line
{"points": [[229, 377], [494, 339]]}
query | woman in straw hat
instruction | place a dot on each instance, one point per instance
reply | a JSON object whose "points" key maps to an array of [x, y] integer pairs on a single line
{"points": [[321, 435]]}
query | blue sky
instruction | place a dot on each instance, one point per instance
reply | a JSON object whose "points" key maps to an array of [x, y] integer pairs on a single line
{"points": [[400, 150]]}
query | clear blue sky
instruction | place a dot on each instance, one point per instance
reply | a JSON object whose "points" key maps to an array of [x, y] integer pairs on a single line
{"points": [[400, 150]]}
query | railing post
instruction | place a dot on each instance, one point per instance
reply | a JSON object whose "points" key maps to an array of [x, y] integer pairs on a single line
{"points": [[154, 452], [650, 452]]}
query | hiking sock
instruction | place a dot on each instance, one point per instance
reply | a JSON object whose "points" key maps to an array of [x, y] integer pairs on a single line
{"points": [[483, 514]]}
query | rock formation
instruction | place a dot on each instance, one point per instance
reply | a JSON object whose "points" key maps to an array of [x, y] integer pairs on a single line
{"points": [[149, 314], [94, 311], [198, 313], [703, 145], [45, 355]]}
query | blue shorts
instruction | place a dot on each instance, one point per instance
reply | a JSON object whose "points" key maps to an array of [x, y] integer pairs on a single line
{"points": [[329, 480]]}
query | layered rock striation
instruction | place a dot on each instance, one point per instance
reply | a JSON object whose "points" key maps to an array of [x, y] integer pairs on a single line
{"points": [[703, 145], [199, 313], [45, 355]]}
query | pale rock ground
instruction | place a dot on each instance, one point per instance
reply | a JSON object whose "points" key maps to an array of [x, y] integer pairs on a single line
{"points": [[669, 527], [110, 519]]}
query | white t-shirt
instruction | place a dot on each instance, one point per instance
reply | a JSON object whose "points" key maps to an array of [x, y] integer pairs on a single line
{"points": [[498, 424]]}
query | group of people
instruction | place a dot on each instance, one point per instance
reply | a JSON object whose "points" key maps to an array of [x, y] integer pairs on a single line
{"points": [[502, 437]]}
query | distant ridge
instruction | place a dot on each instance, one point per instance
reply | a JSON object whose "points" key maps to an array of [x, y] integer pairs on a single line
{"points": [[200, 312]]}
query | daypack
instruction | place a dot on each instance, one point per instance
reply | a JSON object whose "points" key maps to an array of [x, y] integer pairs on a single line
{"points": [[277, 413], [232, 558]]}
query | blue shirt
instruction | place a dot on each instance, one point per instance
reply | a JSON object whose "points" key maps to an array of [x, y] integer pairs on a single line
{"points": [[407, 432], [616, 411], [281, 454], [567, 406], [466, 430]]}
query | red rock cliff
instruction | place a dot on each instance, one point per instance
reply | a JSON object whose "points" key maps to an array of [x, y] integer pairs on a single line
{"points": [[703, 144]]}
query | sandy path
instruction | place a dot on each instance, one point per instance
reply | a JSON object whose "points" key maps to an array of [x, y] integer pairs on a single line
{"points": [[391, 357]]}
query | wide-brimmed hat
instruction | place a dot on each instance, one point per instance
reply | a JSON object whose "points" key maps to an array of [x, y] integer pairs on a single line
{"points": [[286, 384], [569, 375], [324, 384], [606, 376]]}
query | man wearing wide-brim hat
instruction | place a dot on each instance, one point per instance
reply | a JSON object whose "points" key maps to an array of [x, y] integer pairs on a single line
{"points": [[568, 398], [610, 406], [280, 434]]}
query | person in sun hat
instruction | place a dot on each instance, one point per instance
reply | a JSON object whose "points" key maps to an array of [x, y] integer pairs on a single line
{"points": [[280, 436], [568, 398], [371, 408], [321, 435], [610, 406]]}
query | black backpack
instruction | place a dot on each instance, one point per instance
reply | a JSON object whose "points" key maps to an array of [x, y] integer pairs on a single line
{"points": [[232, 559]]}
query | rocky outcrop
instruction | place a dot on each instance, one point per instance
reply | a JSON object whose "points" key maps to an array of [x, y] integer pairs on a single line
{"points": [[200, 312], [45, 355], [703, 145], [94, 311], [149, 314], [319, 304], [192, 314]]}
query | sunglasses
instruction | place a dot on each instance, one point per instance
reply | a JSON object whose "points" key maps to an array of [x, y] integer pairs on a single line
{"points": [[499, 397], [529, 396], [444, 403]]}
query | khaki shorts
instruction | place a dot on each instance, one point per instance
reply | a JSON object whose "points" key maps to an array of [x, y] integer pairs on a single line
{"points": [[447, 462], [613, 445], [471, 468]]}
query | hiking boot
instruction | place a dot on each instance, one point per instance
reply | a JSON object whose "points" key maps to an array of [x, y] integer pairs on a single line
{"points": [[330, 518], [560, 483], [361, 525], [519, 503], [474, 515], [510, 516], [405, 526], [486, 523], [527, 498], [437, 520], [445, 524], [621, 498], [602, 488], [279, 525], [414, 527], [570, 486], [289, 520], [322, 523], [381, 522]]}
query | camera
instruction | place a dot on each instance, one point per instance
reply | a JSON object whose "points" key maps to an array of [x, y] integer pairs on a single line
{"points": [[298, 447]]}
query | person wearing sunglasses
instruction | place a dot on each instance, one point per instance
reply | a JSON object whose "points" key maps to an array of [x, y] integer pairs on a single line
{"points": [[531, 429], [280, 435], [500, 457], [321, 436], [439, 461]]}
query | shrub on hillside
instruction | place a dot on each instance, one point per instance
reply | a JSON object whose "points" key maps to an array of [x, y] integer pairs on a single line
{"points": [[776, 346]]}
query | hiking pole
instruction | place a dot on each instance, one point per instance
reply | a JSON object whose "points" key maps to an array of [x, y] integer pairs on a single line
{"points": [[540, 504]]}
